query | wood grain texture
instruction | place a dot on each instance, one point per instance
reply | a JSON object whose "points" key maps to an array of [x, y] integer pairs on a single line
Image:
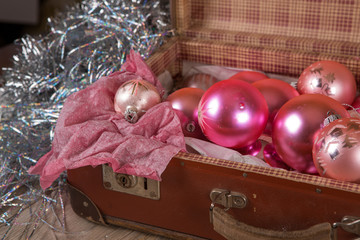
{"points": [[27, 227]]}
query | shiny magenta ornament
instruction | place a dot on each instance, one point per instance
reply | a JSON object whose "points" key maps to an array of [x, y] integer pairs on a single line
{"points": [[336, 151], [233, 113], [276, 93], [249, 76], [272, 158], [134, 97], [200, 80], [329, 78], [295, 127], [252, 149], [185, 102], [356, 104]]}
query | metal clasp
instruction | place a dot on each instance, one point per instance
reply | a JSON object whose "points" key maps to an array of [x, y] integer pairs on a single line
{"points": [[228, 199], [350, 224], [130, 184]]}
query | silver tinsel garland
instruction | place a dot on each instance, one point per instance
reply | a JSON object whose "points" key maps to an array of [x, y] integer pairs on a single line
{"points": [[87, 41]]}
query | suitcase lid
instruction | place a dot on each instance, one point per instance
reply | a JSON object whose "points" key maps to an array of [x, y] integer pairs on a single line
{"points": [[326, 30], [271, 22]]}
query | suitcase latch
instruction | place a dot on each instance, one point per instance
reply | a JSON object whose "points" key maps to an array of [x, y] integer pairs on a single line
{"points": [[228, 199], [130, 184]]}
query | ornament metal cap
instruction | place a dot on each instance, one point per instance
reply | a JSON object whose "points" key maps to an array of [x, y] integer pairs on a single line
{"points": [[131, 114]]}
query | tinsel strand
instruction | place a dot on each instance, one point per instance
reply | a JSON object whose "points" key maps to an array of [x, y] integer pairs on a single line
{"points": [[87, 41]]}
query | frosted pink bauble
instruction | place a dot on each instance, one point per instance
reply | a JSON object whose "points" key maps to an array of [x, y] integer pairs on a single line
{"points": [[134, 97], [329, 78], [336, 151]]}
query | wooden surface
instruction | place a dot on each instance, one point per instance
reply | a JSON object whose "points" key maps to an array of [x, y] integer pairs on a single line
{"points": [[49, 227]]}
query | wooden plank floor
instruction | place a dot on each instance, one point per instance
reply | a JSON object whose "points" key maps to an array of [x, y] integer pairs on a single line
{"points": [[75, 227]]}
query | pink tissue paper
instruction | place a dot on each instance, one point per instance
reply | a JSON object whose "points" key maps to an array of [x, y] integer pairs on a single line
{"points": [[90, 132]]}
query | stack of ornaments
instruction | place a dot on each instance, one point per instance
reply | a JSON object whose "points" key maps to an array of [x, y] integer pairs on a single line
{"points": [[309, 124]]}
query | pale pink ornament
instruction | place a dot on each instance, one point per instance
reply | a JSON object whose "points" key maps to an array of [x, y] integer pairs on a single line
{"points": [[185, 102], [295, 127], [329, 78], [276, 93], [200, 80], [134, 97], [336, 150], [233, 113]]}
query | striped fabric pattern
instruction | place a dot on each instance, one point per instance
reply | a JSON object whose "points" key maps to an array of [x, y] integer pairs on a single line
{"points": [[277, 41], [274, 172], [272, 60], [337, 20]]}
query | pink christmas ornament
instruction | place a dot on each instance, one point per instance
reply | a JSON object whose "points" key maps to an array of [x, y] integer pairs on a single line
{"points": [[249, 76], [185, 102], [276, 93], [134, 97], [295, 127], [329, 78], [232, 113], [200, 80], [252, 149], [272, 158], [356, 104], [336, 151]]}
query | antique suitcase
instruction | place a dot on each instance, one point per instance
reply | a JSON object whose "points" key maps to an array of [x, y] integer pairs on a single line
{"points": [[204, 197]]}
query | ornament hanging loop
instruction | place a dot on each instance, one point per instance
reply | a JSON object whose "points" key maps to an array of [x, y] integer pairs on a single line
{"points": [[131, 115], [355, 110], [331, 116]]}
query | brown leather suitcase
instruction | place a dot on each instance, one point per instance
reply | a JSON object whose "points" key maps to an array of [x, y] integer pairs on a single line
{"points": [[204, 197]]}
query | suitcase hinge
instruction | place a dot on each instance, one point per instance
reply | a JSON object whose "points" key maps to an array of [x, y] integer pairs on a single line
{"points": [[84, 206]]}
